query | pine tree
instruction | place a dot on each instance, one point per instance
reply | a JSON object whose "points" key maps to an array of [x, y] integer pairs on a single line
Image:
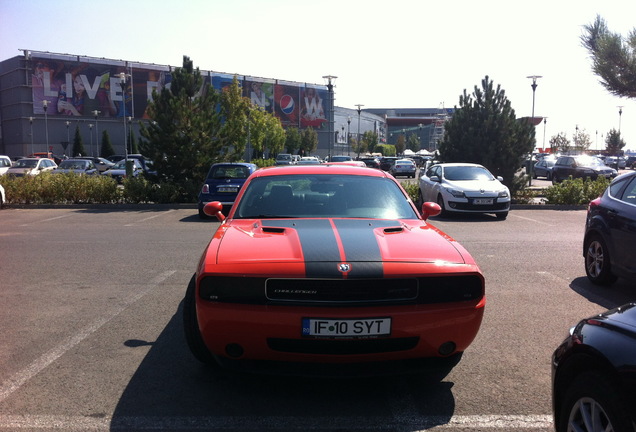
{"points": [[107, 147], [485, 130], [183, 138], [78, 146], [613, 142], [613, 57]]}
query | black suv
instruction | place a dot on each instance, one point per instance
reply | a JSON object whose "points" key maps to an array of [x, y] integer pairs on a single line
{"points": [[581, 166]]}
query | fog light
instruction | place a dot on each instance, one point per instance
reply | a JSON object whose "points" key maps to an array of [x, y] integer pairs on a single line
{"points": [[234, 350], [447, 348]]}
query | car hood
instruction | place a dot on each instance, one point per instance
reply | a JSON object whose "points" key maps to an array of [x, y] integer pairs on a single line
{"points": [[319, 243], [625, 316], [475, 185]]}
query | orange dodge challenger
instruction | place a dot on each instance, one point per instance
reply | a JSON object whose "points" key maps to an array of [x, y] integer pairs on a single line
{"points": [[331, 269]]}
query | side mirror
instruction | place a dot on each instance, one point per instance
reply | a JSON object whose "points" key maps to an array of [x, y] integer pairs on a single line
{"points": [[430, 209], [435, 179], [214, 209], [500, 178]]}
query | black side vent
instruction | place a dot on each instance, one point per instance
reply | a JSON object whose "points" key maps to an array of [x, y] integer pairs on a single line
{"points": [[393, 230], [273, 230]]}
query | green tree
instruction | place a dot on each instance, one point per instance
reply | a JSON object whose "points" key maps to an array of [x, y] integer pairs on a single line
{"points": [[400, 144], [78, 146], [369, 142], [183, 139], [613, 142], [613, 57], [238, 125], [413, 142], [582, 140], [107, 147], [309, 141], [293, 139], [485, 130], [559, 143]]}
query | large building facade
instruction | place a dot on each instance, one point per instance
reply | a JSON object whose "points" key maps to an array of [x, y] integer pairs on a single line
{"points": [[46, 97]]}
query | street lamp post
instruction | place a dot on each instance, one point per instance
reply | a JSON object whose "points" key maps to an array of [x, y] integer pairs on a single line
{"points": [[330, 79], [545, 120], [122, 82], [96, 114], [348, 135], [90, 127], [358, 140], [620, 114], [68, 137], [45, 105], [342, 129], [534, 88], [31, 124]]}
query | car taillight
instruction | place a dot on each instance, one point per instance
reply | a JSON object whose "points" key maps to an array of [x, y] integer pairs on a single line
{"points": [[594, 203], [205, 189]]}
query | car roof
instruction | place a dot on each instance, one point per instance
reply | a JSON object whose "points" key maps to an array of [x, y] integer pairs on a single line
{"points": [[319, 169]]}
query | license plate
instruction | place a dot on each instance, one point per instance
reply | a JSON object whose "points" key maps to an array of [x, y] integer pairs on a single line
{"points": [[482, 201], [227, 189], [346, 328]]}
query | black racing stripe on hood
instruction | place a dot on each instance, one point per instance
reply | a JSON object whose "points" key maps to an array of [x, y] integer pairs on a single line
{"points": [[319, 245], [361, 246]]}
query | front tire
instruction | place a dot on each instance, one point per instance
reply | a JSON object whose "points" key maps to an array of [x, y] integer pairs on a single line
{"points": [[191, 326], [592, 404], [597, 261], [502, 215], [440, 201]]}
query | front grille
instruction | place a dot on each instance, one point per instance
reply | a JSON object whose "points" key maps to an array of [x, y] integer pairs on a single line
{"points": [[342, 292], [480, 207], [343, 346]]}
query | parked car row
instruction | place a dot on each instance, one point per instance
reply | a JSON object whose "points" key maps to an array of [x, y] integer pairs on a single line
{"points": [[86, 165]]}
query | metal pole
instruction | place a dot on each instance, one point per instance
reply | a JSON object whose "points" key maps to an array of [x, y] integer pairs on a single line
{"points": [[329, 79], [96, 113], [45, 105], [68, 137], [358, 140], [31, 123], [348, 134], [534, 88]]}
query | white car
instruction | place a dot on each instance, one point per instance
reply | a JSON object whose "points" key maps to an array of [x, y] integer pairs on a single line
{"points": [[31, 166], [5, 164], [464, 188]]}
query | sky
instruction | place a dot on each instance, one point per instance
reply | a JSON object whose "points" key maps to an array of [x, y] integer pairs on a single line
{"points": [[385, 54]]}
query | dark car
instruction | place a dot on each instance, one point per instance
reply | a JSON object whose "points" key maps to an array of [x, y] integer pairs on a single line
{"points": [[76, 166], [582, 166], [387, 162], [610, 232], [100, 163], [371, 162], [223, 183], [594, 374], [630, 162], [543, 168]]}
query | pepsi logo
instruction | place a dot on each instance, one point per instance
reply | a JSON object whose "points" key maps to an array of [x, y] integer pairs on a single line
{"points": [[287, 104]]}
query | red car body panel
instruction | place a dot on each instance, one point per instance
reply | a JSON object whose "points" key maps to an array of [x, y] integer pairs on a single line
{"points": [[315, 249]]}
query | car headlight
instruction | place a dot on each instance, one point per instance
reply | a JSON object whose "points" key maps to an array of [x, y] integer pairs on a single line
{"points": [[455, 192], [503, 194]]}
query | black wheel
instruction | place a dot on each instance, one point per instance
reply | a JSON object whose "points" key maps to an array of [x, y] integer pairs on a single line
{"points": [[501, 215], [191, 327], [440, 201], [598, 265], [202, 214], [420, 200], [592, 404]]}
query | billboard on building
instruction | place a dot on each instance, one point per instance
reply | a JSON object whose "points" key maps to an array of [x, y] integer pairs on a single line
{"points": [[88, 87]]}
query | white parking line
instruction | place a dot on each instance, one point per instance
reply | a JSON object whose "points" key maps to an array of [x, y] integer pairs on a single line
{"points": [[420, 423], [149, 218], [47, 220], [17, 380], [530, 219]]}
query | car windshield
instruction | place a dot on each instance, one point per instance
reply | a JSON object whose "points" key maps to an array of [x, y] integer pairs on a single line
{"points": [[79, 165], [229, 172], [589, 161], [319, 195], [457, 173], [26, 163]]}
